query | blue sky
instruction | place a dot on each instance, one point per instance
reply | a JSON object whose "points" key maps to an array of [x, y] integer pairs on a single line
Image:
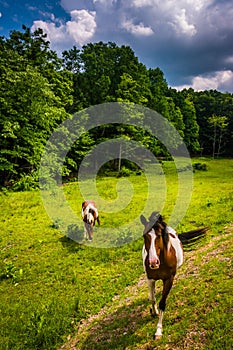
{"points": [[191, 41]]}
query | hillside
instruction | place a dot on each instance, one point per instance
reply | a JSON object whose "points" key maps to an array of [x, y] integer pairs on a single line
{"points": [[55, 292], [198, 315]]}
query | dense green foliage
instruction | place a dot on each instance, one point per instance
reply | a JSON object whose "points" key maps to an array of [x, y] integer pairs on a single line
{"points": [[49, 283], [39, 90]]}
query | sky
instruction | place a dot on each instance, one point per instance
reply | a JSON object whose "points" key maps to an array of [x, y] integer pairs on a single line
{"points": [[191, 41]]}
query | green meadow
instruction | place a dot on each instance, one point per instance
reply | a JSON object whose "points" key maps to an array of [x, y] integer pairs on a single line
{"points": [[58, 293]]}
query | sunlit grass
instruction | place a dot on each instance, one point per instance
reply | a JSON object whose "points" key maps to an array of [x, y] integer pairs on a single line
{"points": [[49, 282]]}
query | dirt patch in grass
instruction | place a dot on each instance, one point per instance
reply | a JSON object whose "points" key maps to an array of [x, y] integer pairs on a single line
{"points": [[114, 321], [194, 338]]}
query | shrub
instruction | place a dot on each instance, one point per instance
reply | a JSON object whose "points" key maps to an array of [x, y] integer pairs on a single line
{"points": [[26, 182], [200, 166], [125, 172]]}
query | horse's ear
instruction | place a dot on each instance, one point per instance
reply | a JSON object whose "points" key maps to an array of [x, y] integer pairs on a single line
{"points": [[143, 220], [155, 217]]}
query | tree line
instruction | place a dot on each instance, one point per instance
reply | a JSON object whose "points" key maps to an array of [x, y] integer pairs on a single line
{"points": [[39, 90]]}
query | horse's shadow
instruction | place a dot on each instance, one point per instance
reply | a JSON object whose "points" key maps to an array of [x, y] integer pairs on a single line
{"points": [[71, 244], [74, 238], [120, 329]]}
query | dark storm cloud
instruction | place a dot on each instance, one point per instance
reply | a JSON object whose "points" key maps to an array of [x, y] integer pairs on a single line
{"points": [[191, 41]]}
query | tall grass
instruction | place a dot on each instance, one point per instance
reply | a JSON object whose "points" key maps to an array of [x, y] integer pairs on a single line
{"points": [[48, 283]]}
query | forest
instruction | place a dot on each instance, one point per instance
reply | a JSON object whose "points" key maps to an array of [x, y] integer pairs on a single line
{"points": [[39, 90]]}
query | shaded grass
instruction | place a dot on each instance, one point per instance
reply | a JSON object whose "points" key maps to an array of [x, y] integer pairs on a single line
{"points": [[48, 283]]}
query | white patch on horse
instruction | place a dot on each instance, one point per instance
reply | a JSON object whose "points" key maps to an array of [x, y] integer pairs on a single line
{"points": [[86, 211], [144, 255], [171, 230], [91, 207], [158, 333], [152, 252], [175, 242]]}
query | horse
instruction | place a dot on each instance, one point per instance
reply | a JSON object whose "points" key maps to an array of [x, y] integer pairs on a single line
{"points": [[162, 255], [90, 216]]}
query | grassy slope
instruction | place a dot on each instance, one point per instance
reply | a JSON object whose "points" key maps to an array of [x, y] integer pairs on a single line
{"points": [[198, 314], [48, 283]]}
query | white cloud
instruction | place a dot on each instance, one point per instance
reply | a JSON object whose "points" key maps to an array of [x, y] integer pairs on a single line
{"points": [[55, 34], [229, 59], [82, 26], [181, 24], [137, 29], [149, 16], [184, 38], [172, 6], [142, 3], [172, 18], [105, 2], [220, 80], [200, 4], [32, 8], [77, 31]]}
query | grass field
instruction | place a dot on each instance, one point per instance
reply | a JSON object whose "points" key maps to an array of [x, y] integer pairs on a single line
{"points": [[50, 286]]}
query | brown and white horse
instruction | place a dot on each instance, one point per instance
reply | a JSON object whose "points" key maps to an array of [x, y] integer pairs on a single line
{"points": [[162, 254], [90, 216]]}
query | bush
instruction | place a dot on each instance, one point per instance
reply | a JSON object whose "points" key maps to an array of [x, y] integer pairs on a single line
{"points": [[26, 182], [125, 172], [200, 166]]}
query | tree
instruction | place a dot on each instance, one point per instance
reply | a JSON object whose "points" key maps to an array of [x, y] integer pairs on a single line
{"points": [[219, 125], [191, 132], [208, 103], [34, 49], [29, 113], [130, 90], [98, 69], [158, 88], [184, 99], [71, 60]]}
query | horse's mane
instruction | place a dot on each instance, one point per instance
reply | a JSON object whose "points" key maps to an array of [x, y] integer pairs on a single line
{"points": [[156, 221]]}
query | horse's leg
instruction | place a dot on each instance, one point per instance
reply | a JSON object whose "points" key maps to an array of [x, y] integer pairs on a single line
{"points": [[151, 286], [85, 232], [90, 234], [167, 284]]}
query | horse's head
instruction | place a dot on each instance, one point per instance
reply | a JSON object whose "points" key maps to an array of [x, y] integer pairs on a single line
{"points": [[153, 234]]}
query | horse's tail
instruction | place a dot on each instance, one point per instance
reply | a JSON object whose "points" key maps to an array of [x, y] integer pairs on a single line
{"points": [[192, 236]]}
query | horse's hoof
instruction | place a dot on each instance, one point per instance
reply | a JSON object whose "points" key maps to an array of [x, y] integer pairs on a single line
{"points": [[157, 337]]}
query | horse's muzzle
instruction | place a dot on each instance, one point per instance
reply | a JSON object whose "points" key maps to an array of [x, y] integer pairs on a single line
{"points": [[154, 264]]}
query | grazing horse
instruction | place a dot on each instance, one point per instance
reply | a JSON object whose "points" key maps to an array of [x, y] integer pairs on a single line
{"points": [[90, 216], [162, 254]]}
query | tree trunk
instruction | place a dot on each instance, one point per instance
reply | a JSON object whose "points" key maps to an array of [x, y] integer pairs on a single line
{"points": [[119, 160], [219, 143], [214, 141]]}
